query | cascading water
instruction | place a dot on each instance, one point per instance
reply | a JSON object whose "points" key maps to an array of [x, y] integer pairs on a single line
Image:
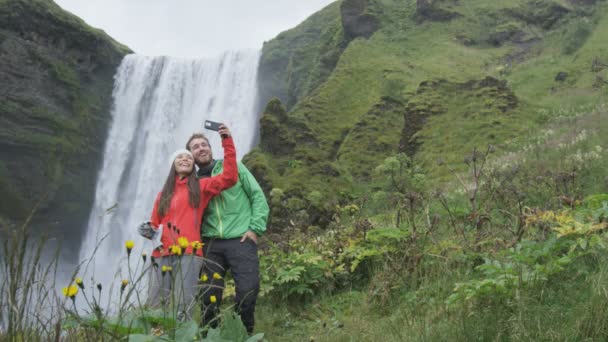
{"points": [[158, 103]]}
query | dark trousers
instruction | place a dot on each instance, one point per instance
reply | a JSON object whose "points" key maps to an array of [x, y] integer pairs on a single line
{"points": [[242, 260]]}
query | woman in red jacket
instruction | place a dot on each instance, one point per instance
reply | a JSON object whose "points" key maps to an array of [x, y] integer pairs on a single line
{"points": [[179, 210]]}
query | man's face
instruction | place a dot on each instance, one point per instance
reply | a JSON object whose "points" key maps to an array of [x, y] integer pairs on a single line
{"points": [[201, 151]]}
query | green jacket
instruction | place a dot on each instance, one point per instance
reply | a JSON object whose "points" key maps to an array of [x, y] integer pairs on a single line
{"points": [[237, 209]]}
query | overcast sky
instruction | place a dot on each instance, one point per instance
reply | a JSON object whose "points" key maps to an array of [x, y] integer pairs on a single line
{"points": [[192, 28]]}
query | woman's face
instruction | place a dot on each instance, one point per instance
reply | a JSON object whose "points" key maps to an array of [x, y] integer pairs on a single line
{"points": [[184, 164]]}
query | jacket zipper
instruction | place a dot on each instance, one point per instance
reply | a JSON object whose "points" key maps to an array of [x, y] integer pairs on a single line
{"points": [[217, 209]]}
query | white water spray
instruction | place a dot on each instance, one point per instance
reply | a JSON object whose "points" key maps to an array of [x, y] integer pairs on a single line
{"points": [[158, 103]]}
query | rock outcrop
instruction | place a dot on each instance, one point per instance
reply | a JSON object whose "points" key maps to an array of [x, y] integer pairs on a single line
{"points": [[434, 11], [542, 13], [273, 128], [55, 96], [298, 60], [358, 19]]}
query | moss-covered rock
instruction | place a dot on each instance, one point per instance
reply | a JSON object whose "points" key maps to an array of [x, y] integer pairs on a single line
{"points": [[358, 19], [57, 78], [435, 10], [543, 13], [297, 61], [273, 129], [374, 137]]}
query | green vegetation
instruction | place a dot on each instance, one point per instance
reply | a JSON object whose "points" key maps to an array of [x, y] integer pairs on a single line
{"points": [[53, 17], [445, 181], [435, 71], [298, 60], [31, 309], [438, 175], [513, 248], [55, 109]]}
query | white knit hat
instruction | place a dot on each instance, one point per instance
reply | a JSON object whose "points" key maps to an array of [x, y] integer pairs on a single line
{"points": [[177, 153]]}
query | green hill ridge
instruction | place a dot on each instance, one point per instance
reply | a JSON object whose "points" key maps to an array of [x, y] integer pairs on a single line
{"points": [[362, 80]]}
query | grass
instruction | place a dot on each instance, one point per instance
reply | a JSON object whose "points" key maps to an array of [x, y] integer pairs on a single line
{"points": [[384, 301], [403, 54], [32, 307], [298, 60], [559, 311]]}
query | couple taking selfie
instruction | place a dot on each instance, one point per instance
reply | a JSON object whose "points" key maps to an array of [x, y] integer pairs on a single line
{"points": [[220, 205]]}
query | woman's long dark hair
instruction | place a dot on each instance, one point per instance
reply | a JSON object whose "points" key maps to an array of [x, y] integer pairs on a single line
{"points": [[194, 192]]}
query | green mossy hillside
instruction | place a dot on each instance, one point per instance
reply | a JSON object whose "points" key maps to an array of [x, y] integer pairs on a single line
{"points": [[298, 60], [57, 78], [434, 79]]}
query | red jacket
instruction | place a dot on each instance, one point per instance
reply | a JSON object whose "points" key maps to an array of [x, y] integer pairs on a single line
{"points": [[185, 218]]}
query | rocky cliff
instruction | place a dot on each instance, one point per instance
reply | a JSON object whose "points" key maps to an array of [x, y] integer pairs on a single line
{"points": [[55, 97]]}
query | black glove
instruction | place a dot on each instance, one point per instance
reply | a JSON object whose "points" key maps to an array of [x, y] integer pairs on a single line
{"points": [[147, 230]]}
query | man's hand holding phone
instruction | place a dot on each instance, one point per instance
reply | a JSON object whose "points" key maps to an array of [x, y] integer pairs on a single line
{"points": [[219, 127], [224, 131]]}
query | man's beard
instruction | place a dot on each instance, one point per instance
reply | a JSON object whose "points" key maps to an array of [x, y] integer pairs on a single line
{"points": [[204, 163]]}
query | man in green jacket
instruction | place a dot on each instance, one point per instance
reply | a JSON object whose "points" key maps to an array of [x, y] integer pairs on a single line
{"points": [[232, 223]]}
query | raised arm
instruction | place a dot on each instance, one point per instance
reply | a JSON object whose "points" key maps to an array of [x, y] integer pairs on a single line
{"points": [[229, 176]]}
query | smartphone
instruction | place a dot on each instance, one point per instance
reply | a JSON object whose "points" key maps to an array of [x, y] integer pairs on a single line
{"points": [[212, 125]]}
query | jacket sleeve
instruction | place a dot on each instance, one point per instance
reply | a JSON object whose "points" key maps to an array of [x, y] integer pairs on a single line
{"points": [[259, 205], [229, 176], [155, 218]]}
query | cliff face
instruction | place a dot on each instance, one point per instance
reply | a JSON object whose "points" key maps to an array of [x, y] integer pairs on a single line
{"points": [[362, 80], [55, 97]]}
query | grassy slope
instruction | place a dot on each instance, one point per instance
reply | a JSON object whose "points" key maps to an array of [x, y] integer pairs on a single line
{"points": [[310, 50], [404, 53], [393, 63], [412, 307]]}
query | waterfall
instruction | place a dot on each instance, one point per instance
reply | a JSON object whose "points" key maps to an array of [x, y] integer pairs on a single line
{"points": [[158, 103]]}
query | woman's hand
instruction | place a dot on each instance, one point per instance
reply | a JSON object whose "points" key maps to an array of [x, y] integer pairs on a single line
{"points": [[147, 230]]}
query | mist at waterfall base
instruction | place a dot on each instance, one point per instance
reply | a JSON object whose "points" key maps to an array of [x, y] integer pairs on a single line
{"points": [[158, 103]]}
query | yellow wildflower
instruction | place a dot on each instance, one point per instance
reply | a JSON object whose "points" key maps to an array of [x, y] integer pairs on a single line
{"points": [[129, 244], [70, 291], [217, 276], [165, 269], [175, 249], [183, 242], [79, 282], [213, 299], [204, 277], [124, 284], [197, 245]]}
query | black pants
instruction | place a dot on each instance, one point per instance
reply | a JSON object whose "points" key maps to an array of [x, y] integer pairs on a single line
{"points": [[242, 259]]}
